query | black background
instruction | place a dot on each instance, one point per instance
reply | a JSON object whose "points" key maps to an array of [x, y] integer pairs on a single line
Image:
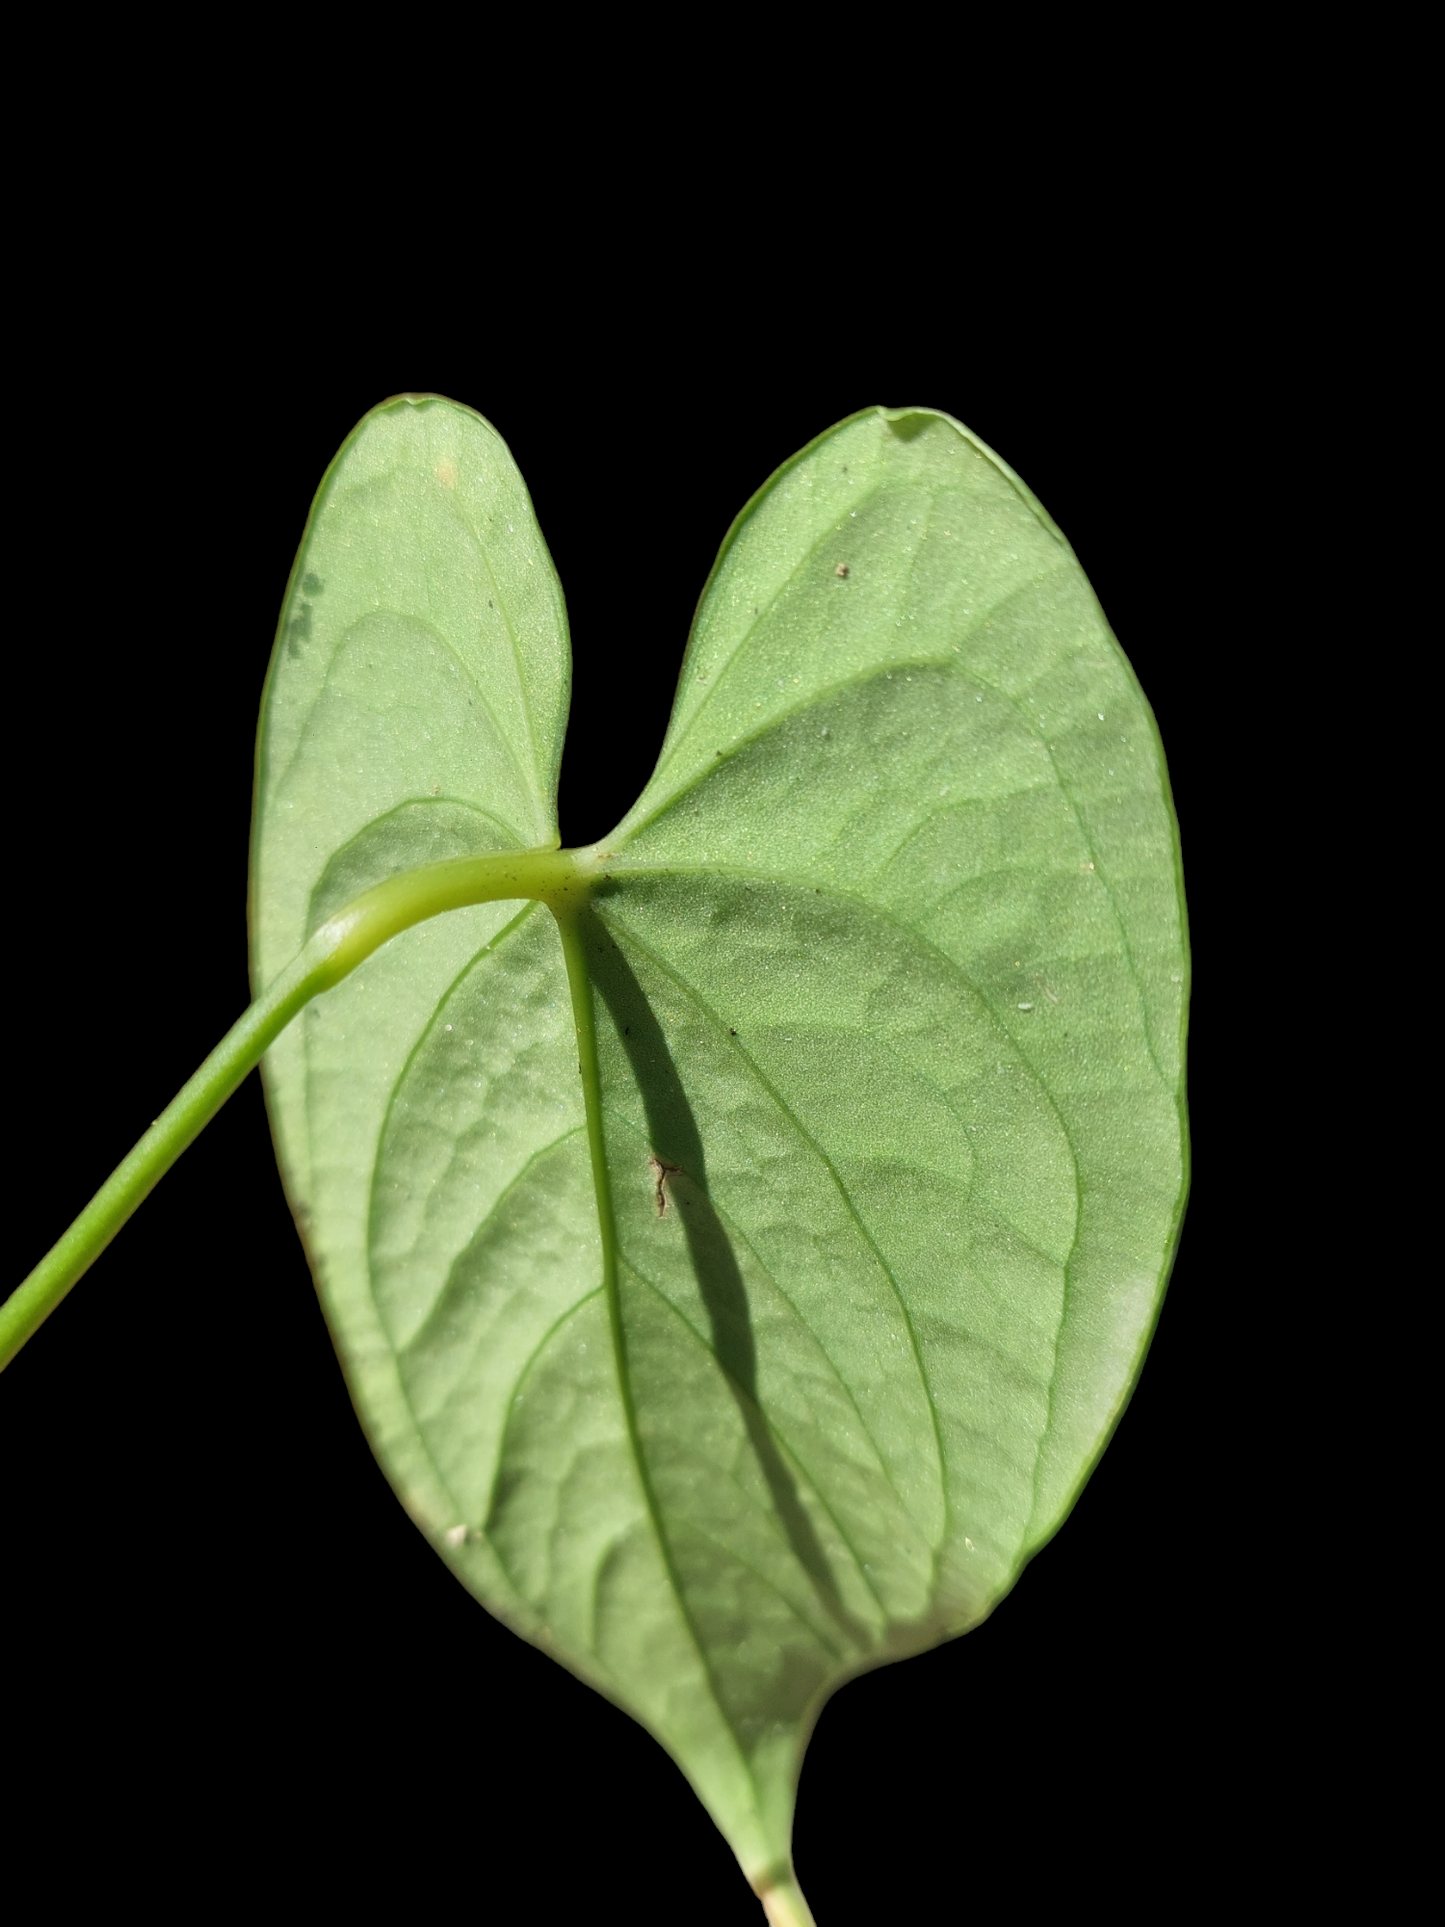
{"points": [[233, 1645]]}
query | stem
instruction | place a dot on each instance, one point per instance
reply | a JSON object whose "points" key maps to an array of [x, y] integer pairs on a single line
{"points": [[784, 1905], [559, 877], [27, 1308]]}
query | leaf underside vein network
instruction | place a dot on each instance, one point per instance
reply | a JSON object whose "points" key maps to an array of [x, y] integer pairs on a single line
{"points": [[903, 1294]]}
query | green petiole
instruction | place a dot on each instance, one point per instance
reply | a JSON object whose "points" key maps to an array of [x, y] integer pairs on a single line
{"points": [[560, 878]]}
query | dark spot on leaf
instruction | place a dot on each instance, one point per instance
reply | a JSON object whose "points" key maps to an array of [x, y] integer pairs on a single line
{"points": [[312, 584]]}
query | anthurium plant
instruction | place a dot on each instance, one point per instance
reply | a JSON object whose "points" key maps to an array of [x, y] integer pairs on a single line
{"points": [[740, 1235]]}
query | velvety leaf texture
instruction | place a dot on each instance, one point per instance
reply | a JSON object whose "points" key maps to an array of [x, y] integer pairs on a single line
{"points": [[889, 983]]}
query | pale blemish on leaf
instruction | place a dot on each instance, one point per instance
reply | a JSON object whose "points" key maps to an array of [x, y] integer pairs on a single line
{"points": [[662, 1171]]}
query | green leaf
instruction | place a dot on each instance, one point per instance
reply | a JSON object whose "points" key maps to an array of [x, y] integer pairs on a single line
{"points": [[778, 1358]]}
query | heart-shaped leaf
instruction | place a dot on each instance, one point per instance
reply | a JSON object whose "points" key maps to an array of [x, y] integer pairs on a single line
{"points": [[739, 1276]]}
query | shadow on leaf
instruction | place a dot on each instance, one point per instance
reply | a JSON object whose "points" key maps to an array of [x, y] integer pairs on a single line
{"points": [[678, 1153]]}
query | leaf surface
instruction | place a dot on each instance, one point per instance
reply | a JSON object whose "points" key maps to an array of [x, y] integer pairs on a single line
{"points": [[788, 1368]]}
